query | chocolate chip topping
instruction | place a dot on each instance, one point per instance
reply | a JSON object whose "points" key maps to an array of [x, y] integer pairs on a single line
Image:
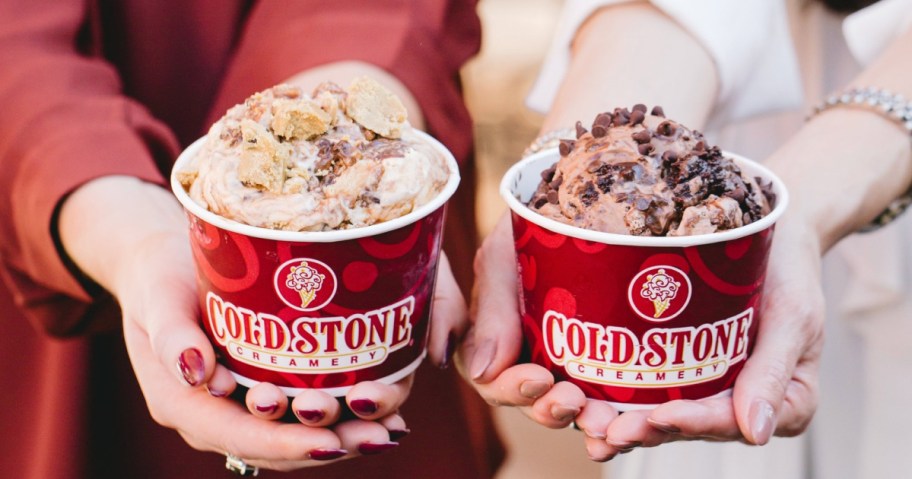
{"points": [[621, 117], [645, 149], [640, 108], [658, 111], [565, 147], [553, 197], [548, 173], [666, 128], [589, 194], [642, 136], [556, 182], [601, 124], [580, 130], [637, 117]]}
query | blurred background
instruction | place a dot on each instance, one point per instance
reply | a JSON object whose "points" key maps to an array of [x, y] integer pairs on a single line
{"points": [[516, 35]]}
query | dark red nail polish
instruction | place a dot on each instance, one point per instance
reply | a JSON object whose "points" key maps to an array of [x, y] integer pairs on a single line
{"points": [[326, 454], [190, 366], [369, 448], [364, 407], [311, 415], [448, 353], [397, 434], [216, 393], [267, 409]]}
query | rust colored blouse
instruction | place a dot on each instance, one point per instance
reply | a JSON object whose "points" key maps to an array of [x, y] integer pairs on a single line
{"points": [[101, 87]]}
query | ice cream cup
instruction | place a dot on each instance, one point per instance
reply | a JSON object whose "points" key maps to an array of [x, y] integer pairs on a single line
{"points": [[638, 321], [317, 310]]}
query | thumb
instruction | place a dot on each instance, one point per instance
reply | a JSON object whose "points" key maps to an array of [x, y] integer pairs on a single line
{"points": [[449, 320], [164, 304], [496, 337], [769, 394]]}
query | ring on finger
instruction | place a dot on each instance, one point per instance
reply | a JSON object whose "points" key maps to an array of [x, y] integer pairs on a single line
{"points": [[239, 467]]}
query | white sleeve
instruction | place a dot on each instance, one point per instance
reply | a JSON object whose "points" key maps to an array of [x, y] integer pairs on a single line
{"points": [[869, 31], [748, 40]]}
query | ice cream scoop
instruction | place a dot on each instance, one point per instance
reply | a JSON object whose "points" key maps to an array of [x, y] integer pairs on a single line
{"points": [[334, 159], [639, 173]]}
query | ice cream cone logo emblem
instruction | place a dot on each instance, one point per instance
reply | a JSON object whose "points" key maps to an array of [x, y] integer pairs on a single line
{"points": [[305, 284], [660, 289], [659, 293], [306, 280]]}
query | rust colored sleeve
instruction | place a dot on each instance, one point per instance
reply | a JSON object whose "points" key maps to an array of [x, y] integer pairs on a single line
{"points": [[64, 122], [423, 44]]}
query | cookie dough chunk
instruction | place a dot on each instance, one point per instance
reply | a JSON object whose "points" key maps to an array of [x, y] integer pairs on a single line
{"points": [[187, 176], [263, 158], [375, 108], [298, 119]]}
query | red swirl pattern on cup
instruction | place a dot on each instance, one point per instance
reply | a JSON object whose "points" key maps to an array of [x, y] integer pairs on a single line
{"points": [[637, 321], [317, 310]]}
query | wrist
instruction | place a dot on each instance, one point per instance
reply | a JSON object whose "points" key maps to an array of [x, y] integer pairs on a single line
{"points": [[106, 223], [842, 169]]}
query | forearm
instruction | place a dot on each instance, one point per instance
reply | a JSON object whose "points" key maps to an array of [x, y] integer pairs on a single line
{"points": [[847, 163], [633, 53]]}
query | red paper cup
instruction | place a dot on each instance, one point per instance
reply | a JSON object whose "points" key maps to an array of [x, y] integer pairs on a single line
{"points": [[638, 321], [317, 310]]}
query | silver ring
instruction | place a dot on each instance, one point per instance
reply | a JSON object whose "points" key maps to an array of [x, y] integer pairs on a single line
{"points": [[239, 467]]}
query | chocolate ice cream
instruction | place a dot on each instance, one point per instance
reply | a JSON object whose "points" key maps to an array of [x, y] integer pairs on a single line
{"points": [[639, 173]]}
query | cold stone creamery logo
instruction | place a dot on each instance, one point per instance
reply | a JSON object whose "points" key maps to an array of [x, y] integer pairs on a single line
{"points": [[309, 345], [659, 293], [305, 284], [661, 357]]}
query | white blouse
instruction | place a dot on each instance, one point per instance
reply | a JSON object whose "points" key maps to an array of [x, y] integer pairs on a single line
{"points": [[749, 41]]}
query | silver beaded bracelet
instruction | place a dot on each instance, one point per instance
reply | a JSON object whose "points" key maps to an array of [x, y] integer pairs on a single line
{"points": [[894, 107]]}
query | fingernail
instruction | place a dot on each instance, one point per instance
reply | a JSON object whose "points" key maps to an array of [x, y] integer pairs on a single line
{"points": [[326, 454], [448, 353], [664, 427], [483, 357], [563, 412], [369, 448], [598, 459], [216, 393], [594, 435], [267, 408], [190, 366], [310, 415], [364, 407], [762, 418], [397, 434], [625, 446], [534, 389]]}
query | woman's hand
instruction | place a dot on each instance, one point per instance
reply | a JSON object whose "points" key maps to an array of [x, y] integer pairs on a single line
{"points": [[492, 345], [776, 392], [131, 237]]}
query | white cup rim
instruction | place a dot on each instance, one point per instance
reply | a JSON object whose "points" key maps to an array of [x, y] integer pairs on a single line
{"points": [[317, 236], [751, 168]]}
